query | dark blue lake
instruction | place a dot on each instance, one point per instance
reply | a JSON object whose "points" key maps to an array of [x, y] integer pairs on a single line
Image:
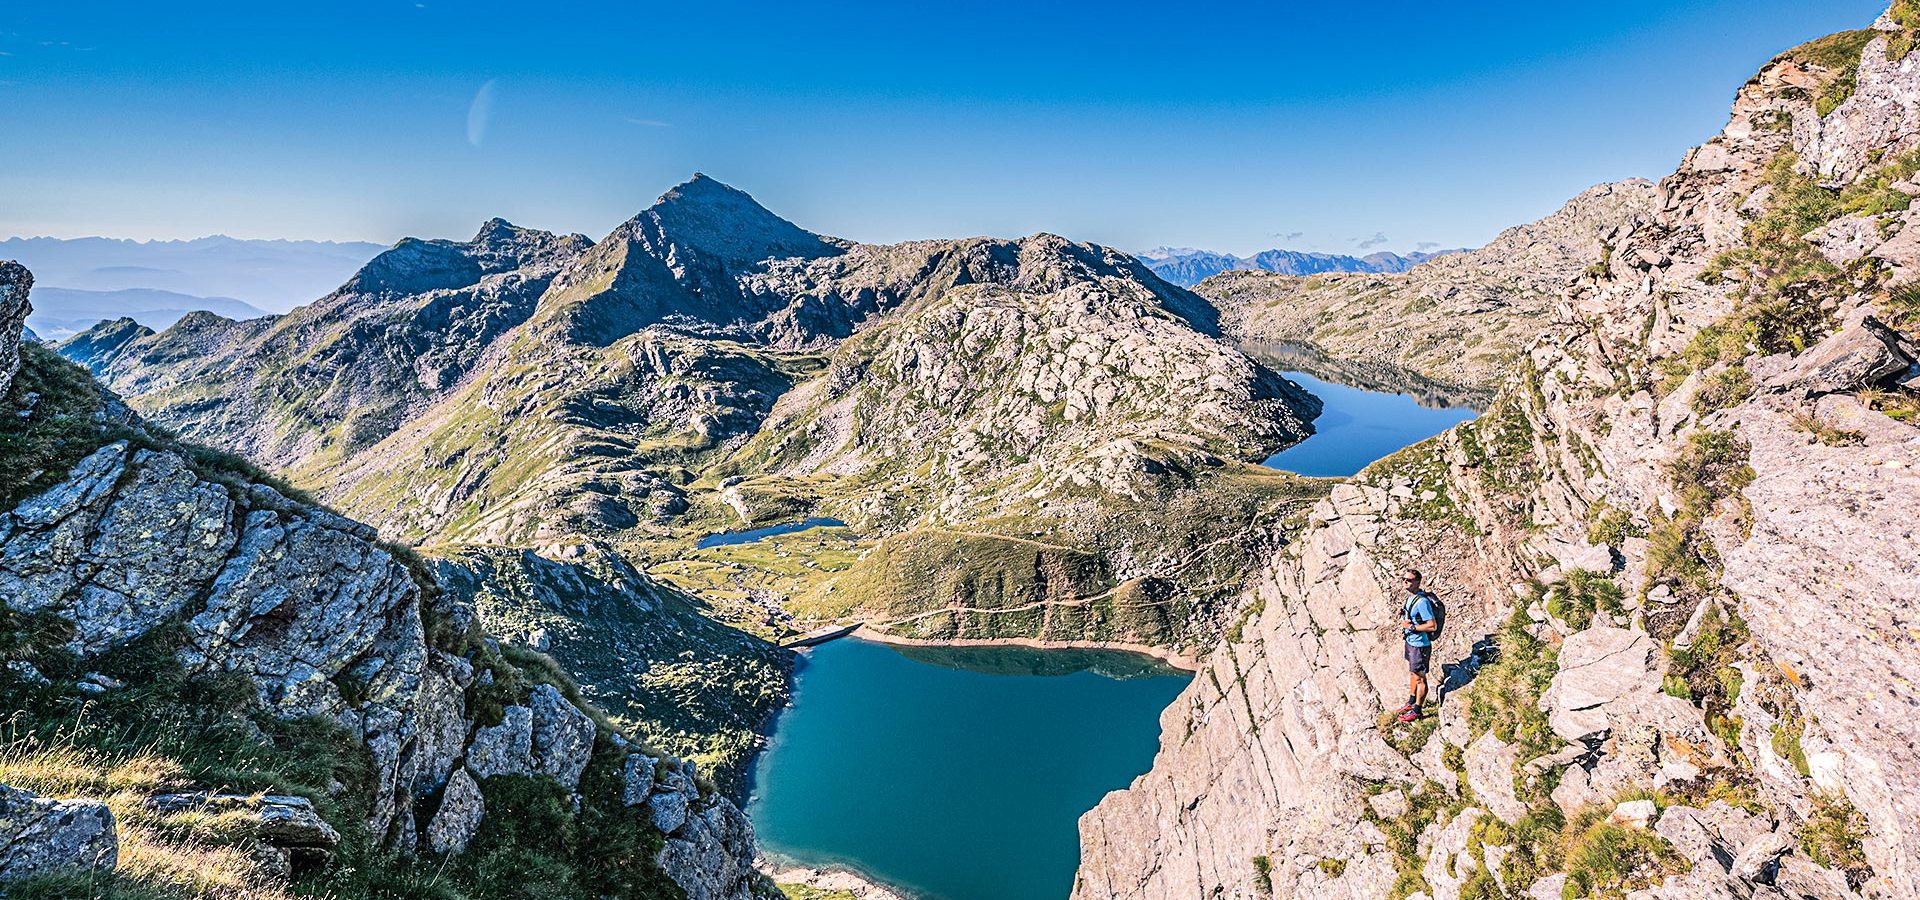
{"points": [[1360, 426], [753, 534], [955, 773]]}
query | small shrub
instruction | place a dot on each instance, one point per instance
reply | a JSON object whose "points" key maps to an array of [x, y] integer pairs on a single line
{"points": [[1898, 405], [1505, 696], [1723, 389], [1605, 860], [1609, 526], [1333, 867], [37, 451], [1263, 874], [1584, 593], [1706, 669], [1833, 833], [1786, 744], [1906, 14], [1824, 433]]}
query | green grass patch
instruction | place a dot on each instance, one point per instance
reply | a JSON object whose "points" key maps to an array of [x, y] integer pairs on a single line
{"points": [[1833, 834], [1505, 696], [1582, 594]]}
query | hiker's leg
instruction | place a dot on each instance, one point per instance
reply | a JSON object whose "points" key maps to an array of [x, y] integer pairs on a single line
{"points": [[1419, 688]]}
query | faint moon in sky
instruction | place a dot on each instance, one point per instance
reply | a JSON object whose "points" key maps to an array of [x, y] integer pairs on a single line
{"points": [[480, 112]]}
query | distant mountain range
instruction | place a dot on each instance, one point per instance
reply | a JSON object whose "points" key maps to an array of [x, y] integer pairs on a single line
{"points": [[1186, 266], [59, 313], [271, 275]]}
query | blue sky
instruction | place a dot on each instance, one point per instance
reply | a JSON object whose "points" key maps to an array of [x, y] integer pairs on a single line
{"points": [[1238, 126]]}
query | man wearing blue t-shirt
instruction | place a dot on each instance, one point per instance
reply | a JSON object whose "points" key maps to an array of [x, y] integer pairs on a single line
{"points": [[1421, 622]]}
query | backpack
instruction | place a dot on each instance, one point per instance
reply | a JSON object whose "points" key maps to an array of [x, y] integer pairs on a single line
{"points": [[1439, 612]]}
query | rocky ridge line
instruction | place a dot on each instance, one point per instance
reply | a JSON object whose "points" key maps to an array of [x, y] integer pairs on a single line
{"points": [[1679, 561]]}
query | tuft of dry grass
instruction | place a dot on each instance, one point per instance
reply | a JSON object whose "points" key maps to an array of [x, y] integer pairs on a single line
{"points": [[193, 854]]}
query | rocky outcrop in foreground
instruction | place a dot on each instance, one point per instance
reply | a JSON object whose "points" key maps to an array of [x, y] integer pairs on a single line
{"points": [[39, 836], [1679, 557], [15, 283], [159, 570]]}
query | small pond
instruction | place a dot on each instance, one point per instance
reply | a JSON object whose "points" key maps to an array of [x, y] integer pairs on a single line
{"points": [[754, 534]]}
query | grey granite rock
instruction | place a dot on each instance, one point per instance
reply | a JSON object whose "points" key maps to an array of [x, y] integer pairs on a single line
{"points": [[503, 749], [41, 836], [1490, 770], [15, 283], [458, 818], [562, 738], [636, 778]]}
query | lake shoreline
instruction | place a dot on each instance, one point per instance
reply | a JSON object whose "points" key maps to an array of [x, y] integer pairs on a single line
{"points": [[831, 878], [1172, 658]]}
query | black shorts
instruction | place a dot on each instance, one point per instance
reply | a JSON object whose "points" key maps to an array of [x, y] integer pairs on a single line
{"points": [[1417, 658]]}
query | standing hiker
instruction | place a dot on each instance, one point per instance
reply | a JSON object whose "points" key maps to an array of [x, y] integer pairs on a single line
{"points": [[1422, 623]]}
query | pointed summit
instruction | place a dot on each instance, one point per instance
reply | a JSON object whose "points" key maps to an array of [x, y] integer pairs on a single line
{"points": [[721, 221]]}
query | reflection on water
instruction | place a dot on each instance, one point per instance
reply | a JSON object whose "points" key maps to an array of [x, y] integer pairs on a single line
{"points": [[1289, 356], [1358, 426], [1014, 660]]}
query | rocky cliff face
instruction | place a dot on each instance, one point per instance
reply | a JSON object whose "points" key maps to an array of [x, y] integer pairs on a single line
{"points": [[163, 604], [1455, 318], [1679, 562], [15, 283]]}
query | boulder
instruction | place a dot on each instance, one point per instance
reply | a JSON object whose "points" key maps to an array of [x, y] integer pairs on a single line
{"points": [[668, 810], [1861, 354], [1799, 877], [1575, 791], [1552, 887], [1448, 863], [1758, 860], [672, 799], [1634, 813], [277, 819], [1389, 805], [458, 819], [636, 777], [503, 749], [711, 858], [1847, 238], [562, 736], [1490, 771], [40, 836], [1607, 679], [15, 283]]}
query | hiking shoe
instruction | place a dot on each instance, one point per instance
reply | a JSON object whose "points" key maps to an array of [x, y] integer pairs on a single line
{"points": [[1412, 714], [1404, 710]]}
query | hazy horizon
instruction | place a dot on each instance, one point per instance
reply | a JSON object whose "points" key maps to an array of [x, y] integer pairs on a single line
{"points": [[1341, 131]]}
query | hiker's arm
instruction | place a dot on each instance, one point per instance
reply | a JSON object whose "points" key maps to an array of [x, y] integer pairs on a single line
{"points": [[1428, 625]]}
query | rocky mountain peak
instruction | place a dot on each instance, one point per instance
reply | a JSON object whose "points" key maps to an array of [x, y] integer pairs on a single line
{"points": [[98, 346], [716, 219]]}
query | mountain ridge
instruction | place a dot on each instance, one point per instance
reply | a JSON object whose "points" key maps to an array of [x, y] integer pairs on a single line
{"points": [[1187, 266]]}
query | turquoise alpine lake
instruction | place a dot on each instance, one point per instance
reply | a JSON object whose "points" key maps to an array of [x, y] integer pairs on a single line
{"points": [[954, 773], [1359, 426]]}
